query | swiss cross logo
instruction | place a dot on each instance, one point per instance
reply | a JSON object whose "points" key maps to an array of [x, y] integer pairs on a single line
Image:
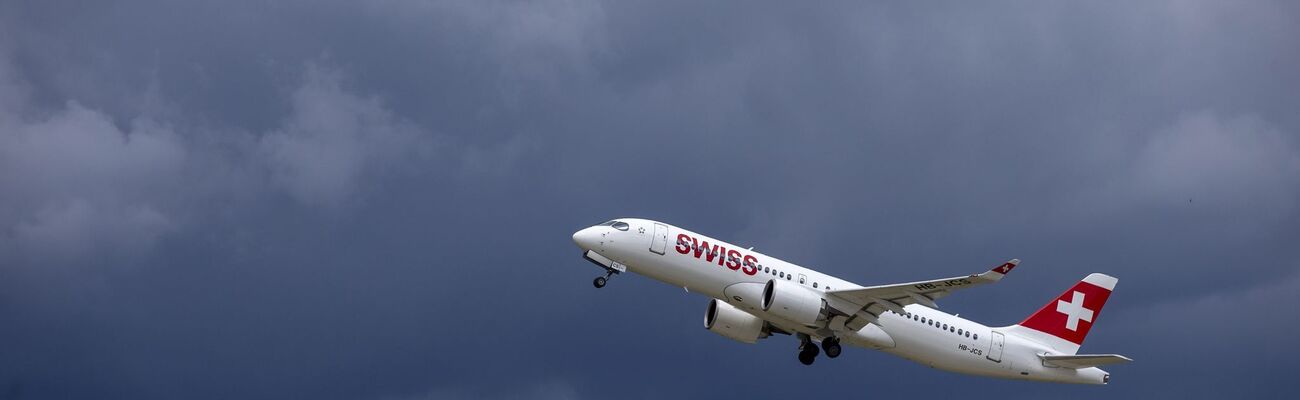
{"points": [[1074, 311], [1070, 316], [1004, 268]]}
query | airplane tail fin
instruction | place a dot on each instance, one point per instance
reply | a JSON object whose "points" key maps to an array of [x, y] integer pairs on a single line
{"points": [[1063, 322]]}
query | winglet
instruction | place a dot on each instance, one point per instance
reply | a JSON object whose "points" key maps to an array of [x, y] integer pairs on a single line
{"points": [[1000, 271]]}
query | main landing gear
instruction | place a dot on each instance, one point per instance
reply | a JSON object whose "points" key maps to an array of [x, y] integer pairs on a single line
{"points": [[808, 351], [602, 280], [831, 346]]}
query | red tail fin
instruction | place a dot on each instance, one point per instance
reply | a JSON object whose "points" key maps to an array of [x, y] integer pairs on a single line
{"points": [[1073, 313]]}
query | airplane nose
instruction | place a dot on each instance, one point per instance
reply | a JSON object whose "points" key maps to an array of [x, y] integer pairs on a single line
{"points": [[586, 238]]}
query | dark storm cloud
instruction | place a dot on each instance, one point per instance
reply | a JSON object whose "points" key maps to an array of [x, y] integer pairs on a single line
{"points": [[339, 200]]}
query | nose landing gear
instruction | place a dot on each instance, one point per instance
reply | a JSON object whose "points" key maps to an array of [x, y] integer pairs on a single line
{"points": [[600, 281], [611, 267]]}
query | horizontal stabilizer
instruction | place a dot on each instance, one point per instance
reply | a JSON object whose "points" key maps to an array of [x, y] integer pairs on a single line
{"points": [[1077, 361]]}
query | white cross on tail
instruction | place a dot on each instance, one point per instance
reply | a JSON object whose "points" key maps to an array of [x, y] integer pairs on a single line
{"points": [[1074, 311]]}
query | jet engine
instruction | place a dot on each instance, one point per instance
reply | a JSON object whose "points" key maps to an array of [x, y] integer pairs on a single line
{"points": [[793, 302], [731, 322]]}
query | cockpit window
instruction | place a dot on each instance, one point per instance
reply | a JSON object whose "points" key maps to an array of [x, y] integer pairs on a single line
{"points": [[620, 225], [607, 223]]}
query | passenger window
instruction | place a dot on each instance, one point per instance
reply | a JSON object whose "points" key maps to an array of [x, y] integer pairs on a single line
{"points": [[780, 274], [814, 285], [977, 336], [959, 332], [945, 327]]}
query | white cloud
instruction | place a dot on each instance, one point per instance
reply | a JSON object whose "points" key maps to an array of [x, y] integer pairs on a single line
{"points": [[332, 137], [71, 228], [1217, 318], [73, 182], [1238, 161], [530, 43], [1239, 171]]}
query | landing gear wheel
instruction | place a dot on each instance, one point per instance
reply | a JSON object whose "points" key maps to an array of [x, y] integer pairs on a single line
{"points": [[807, 358], [808, 353], [831, 346], [811, 350], [600, 281]]}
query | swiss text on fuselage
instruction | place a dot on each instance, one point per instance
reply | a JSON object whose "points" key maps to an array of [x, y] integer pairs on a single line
{"points": [[730, 258]]}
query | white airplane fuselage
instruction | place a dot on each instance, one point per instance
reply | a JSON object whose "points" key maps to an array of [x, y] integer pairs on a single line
{"points": [[738, 275]]}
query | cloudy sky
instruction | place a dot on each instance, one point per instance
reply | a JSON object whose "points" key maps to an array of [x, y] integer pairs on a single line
{"points": [[374, 199]]}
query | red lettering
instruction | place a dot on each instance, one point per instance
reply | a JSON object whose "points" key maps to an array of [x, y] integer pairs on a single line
{"points": [[733, 259], [729, 258], [682, 247], [709, 252], [713, 251], [751, 265]]}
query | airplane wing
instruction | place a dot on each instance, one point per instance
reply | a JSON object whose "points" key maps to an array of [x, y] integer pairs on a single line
{"points": [[875, 300], [1079, 361]]}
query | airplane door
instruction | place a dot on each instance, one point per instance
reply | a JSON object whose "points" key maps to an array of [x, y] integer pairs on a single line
{"points": [[995, 349], [660, 241]]}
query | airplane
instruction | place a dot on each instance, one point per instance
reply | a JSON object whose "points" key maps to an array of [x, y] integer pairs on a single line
{"points": [[754, 296]]}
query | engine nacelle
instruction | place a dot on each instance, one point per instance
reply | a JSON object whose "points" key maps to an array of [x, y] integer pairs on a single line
{"points": [[794, 303], [733, 323]]}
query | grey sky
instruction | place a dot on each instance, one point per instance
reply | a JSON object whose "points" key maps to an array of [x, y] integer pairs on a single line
{"points": [[373, 200]]}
